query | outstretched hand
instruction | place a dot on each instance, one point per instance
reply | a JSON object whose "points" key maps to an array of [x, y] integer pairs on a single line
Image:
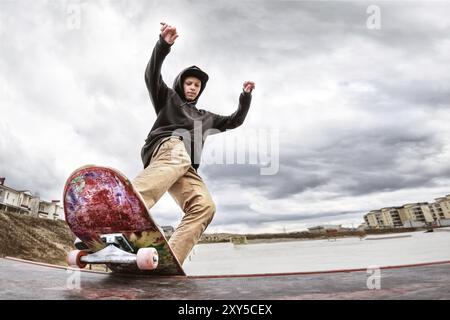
{"points": [[248, 86], [168, 33]]}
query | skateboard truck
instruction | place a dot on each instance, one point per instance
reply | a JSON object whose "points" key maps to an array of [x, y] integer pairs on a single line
{"points": [[117, 251], [118, 240], [80, 245]]}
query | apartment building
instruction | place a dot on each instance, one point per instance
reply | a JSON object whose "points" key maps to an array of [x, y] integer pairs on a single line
{"points": [[372, 219], [388, 217], [440, 209], [419, 212], [50, 210], [24, 202], [391, 217], [411, 215]]}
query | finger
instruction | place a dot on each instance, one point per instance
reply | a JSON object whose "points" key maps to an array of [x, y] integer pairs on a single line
{"points": [[251, 85], [169, 30], [164, 30]]}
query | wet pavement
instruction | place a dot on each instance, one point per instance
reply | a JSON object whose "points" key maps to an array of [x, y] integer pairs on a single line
{"points": [[20, 280]]}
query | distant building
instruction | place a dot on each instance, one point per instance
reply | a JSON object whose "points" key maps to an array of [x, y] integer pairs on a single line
{"points": [[440, 210], [50, 210], [373, 219], [436, 211], [411, 215], [419, 213], [391, 217], [24, 202], [325, 228]]}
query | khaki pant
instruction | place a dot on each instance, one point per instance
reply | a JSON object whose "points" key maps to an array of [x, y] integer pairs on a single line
{"points": [[170, 170]]}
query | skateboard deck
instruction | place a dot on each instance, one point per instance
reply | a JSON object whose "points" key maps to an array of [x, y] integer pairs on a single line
{"points": [[101, 204]]}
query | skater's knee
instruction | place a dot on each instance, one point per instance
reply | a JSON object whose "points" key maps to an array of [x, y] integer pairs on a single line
{"points": [[200, 208]]}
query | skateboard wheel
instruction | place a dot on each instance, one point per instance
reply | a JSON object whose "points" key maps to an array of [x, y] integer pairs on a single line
{"points": [[147, 258], [74, 258]]}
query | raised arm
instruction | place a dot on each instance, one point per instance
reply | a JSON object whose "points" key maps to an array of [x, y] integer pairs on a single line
{"points": [[223, 123], [156, 87]]}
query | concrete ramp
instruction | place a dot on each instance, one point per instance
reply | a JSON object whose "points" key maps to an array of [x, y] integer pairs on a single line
{"points": [[23, 280]]}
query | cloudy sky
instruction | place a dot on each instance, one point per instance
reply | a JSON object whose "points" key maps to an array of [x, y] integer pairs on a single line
{"points": [[351, 117]]}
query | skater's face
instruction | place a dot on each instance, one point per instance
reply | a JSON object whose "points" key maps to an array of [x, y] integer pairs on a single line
{"points": [[192, 87]]}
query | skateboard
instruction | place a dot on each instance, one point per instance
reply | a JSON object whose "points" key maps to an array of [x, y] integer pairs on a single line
{"points": [[113, 225]]}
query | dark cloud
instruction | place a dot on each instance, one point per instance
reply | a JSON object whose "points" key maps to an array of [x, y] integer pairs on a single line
{"points": [[351, 163], [244, 214], [419, 93], [37, 176]]}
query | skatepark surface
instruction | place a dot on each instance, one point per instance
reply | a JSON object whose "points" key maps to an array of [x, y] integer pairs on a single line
{"points": [[20, 279]]}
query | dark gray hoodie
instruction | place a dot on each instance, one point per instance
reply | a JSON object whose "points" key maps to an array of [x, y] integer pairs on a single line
{"points": [[177, 116]]}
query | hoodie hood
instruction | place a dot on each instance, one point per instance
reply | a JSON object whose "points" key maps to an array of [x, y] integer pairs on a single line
{"points": [[192, 71]]}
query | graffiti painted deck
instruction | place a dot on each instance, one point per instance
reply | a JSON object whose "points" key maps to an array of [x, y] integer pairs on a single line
{"points": [[100, 203]]}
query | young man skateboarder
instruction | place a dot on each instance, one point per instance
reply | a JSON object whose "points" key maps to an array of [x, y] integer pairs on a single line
{"points": [[172, 150]]}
